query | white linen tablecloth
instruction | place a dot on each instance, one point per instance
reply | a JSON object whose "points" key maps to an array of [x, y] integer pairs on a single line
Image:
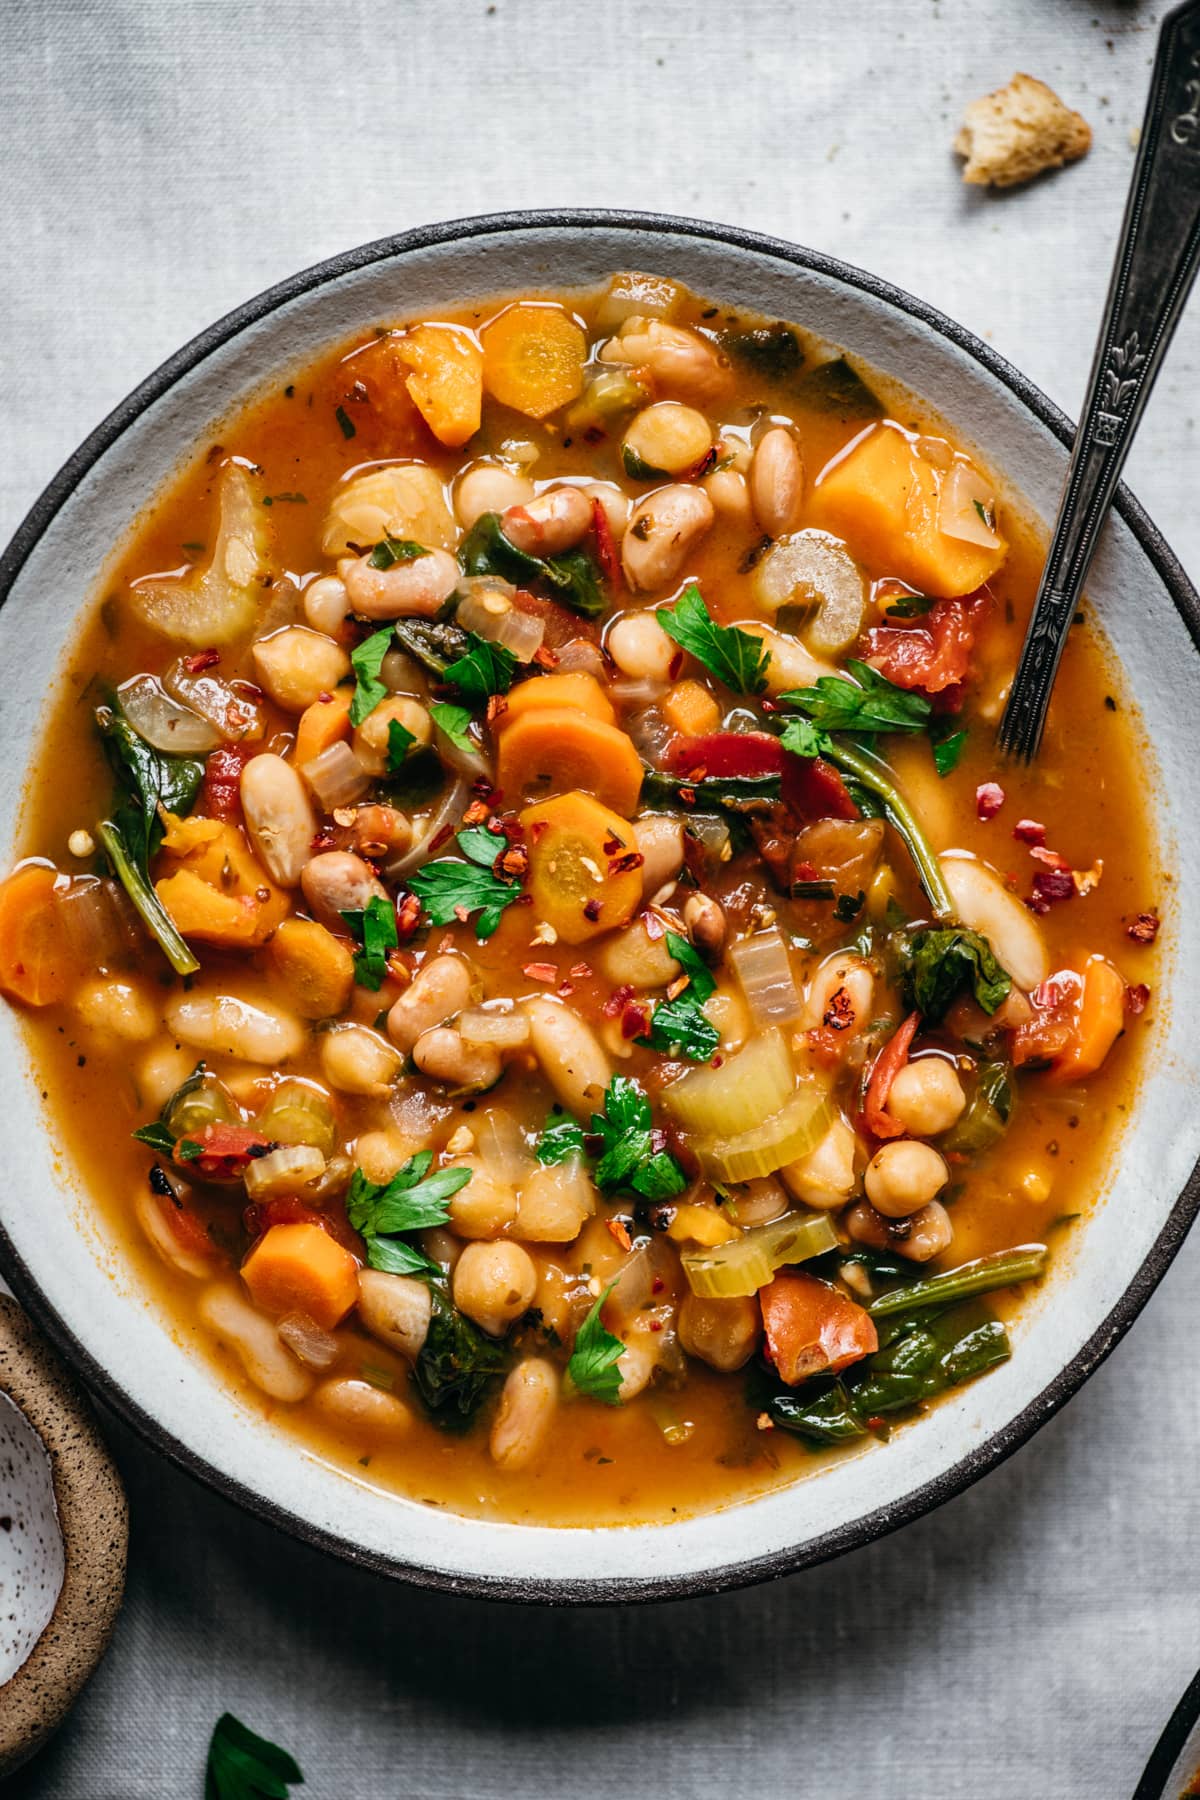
{"points": [[164, 159]]}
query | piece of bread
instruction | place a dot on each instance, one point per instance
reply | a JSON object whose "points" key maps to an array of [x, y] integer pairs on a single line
{"points": [[1018, 132]]}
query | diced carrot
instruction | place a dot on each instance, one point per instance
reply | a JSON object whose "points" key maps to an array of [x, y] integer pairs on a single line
{"points": [[576, 690], [299, 1268], [813, 1329], [324, 723], [1099, 1021], [533, 357], [446, 380], [888, 1064], [690, 709], [584, 868], [882, 498], [315, 967], [34, 961], [213, 886], [554, 750]]}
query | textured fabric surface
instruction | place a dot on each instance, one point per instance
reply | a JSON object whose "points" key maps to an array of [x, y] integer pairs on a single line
{"points": [[162, 161]]}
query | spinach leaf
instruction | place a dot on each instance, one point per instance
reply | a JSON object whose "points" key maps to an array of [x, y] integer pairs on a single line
{"points": [[574, 576], [772, 351], [391, 551], [938, 964], [456, 1364], [434, 643], [153, 782], [484, 669], [837, 387]]}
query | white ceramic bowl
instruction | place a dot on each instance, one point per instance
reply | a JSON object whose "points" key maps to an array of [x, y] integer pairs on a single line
{"points": [[53, 1255]]}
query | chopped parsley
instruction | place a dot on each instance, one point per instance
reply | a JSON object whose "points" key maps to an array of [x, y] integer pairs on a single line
{"points": [[593, 1366], [243, 1766], [451, 890], [732, 655], [348, 427], [484, 670], [560, 1139], [400, 742], [453, 721], [803, 738], [375, 929], [157, 1137], [869, 703], [366, 661], [678, 1027], [413, 1200], [631, 1153], [909, 606], [391, 551], [946, 752]]}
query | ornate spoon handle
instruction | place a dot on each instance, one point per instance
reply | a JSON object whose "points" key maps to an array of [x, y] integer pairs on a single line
{"points": [[1156, 262]]}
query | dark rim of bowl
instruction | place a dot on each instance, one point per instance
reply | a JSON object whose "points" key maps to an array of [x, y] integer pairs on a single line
{"points": [[1171, 1745], [865, 1529]]}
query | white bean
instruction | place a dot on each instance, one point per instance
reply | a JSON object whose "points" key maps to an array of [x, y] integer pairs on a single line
{"points": [[152, 1216], [255, 1342], [984, 904], [160, 1071], [527, 1408], [825, 1178], [553, 522], [660, 841], [615, 503], [631, 957], [408, 590], [279, 817], [489, 487], [445, 1055], [357, 1060], [337, 882], [118, 1008], [361, 1407], [231, 1027], [730, 495], [297, 665], [396, 1309], [640, 647], [840, 995], [664, 530], [440, 989], [777, 482], [570, 1053], [789, 664], [683, 364], [326, 604]]}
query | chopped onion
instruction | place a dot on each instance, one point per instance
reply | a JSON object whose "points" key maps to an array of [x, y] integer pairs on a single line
{"points": [[637, 691], [771, 1143], [282, 1171], [650, 733], [163, 721], [711, 831], [449, 807], [966, 502], [936, 450], [763, 966], [507, 1030], [502, 1146], [316, 1348], [811, 568], [99, 922], [749, 1262], [232, 714], [634, 1286], [486, 608], [472, 764], [745, 1089], [336, 777], [580, 657]]}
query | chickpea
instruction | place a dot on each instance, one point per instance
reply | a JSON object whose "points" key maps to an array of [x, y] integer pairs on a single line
{"points": [[777, 482], [903, 1176], [730, 496], [660, 841], [337, 882], [380, 1153], [616, 505], [641, 648], [664, 530], [722, 1333], [485, 1207], [494, 1284], [440, 989], [371, 742], [826, 1177], [297, 665], [118, 1008], [445, 1055], [926, 1097], [279, 817], [417, 589], [357, 1060], [553, 522], [840, 996], [527, 1408], [667, 438], [361, 1407], [554, 1202], [704, 918], [326, 604], [396, 1309], [489, 487]]}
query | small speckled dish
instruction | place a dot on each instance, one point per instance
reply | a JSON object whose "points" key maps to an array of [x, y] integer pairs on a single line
{"points": [[64, 1528]]}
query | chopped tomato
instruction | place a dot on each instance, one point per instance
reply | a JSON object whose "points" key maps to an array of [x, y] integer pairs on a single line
{"points": [[811, 788], [888, 1064], [1045, 1036], [221, 794], [224, 1151], [813, 1329], [814, 789], [933, 654], [606, 549], [281, 1209]]}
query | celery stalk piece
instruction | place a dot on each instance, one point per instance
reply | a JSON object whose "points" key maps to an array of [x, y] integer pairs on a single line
{"points": [[749, 1262]]}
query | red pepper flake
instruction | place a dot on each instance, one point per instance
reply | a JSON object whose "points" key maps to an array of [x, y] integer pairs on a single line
{"points": [[593, 908], [653, 926], [541, 971], [635, 1019], [462, 914], [408, 916], [514, 862], [538, 829], [564, 989], [606, 549], [824, 1046], [1144, 929], [579, 971], [545, 658], [483, 789], [688, 796], [621, 865], [620, 1231], [839, 1014], [442, 837], [807, 871], [613, 844], [1030, 831], [1052, 858], [616, 1000], [1055, 884], [203, 659], [657, 1285], [497, 706], [476, 813], [1137, 998], [656, 1324], [989, 798]]}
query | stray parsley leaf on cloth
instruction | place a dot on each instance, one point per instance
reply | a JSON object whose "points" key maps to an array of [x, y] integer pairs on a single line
{"points": [[413, 1200], [392, 550], [366, 661], [453, 721], [560, 1139], [593, 1365], [375, 929], [450, 890], [869, 703], [679, 1026], [484, 670], [938, 964], [735, 657], [632, 1155], [243, 1766]]}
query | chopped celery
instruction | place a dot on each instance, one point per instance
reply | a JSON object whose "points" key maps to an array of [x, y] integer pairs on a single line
{"points": [[150, 908], [735, 1097], [980, 1276], [747, 1263], [219, 604], [299, 1112], [201, 1100], [782, 1137], [988, 1113]]}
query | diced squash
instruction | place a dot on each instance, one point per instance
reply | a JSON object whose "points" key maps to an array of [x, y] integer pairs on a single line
{"points": [[1099, 1022], [690, 709], [579, 691], [533, 357], [315, 967], [446, 380], [391, 417], [324, 723], [300, 1268], [213, 886], [34, 962], [812, 1328], [707, 1225], [553, 751], [576, 851], [881, 497]]}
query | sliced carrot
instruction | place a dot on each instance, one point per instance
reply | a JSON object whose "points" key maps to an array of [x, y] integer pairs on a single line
{"points": [[34, 961], [581, 692], [578, 852], [813, 1329], [1099, 1022], [213, 886], [316, 968], [690, 709], [533, 358], [553, 751], [324, 723], [446, 380], [299, 1268]]}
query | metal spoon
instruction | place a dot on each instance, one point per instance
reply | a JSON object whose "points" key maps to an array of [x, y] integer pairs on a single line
{"points": [[1157, 257]]}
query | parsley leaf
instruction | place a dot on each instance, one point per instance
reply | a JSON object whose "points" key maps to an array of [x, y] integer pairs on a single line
{"points": [[243, 1766], [946, 752], [867, 704], [937, 964], [484, 670], [400, 742], [366, 661], [803, 738], [413, 1200], [157, 1136], [593, 1365], [453, 721], [678, 1026], [450, 890], [560, 1138], [392, 550], [631, 1158], [375, 929], [732, 655], [345, 422], [909, 606]]}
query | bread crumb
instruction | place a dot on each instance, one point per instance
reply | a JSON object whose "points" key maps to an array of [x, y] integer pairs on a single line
{"points": [[1018, 132]]}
